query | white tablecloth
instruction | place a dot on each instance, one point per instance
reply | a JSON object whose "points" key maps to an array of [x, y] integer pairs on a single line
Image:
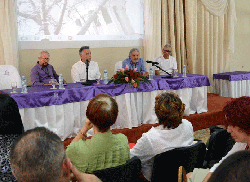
{"points": [[134, 109], [233, 89]]}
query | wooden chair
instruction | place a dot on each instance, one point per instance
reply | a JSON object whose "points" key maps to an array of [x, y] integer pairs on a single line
{"points": [[182, 175], [166, 164], [8, 74]]}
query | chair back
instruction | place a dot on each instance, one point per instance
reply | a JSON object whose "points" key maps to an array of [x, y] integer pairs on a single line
{"points": [[218, 145], [166, 164], [8, 74], [118, 65], [129, 171]]}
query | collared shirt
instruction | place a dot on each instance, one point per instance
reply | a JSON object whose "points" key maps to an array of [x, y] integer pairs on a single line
{"points": [[78, 71], [140, 65], [166, 64], [41, 75]]}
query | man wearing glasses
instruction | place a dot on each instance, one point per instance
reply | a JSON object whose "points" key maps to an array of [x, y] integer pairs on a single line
{"points": [[42, 72], [166, 62]]}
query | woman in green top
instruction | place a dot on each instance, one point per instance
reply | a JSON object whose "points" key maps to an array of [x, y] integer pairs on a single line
{"points": [[104, 149]]}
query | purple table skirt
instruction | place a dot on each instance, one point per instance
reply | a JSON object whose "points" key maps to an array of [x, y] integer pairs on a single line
{"points": [[233, 76], [40, 96]]}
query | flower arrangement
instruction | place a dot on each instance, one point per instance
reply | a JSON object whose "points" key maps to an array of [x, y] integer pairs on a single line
{"points": [[127, 75]]}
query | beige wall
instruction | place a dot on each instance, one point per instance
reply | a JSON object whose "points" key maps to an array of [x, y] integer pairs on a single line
{"points": [[240, 60], [63, 59]]}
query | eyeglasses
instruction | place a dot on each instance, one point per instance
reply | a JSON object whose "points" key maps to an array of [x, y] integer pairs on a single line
{"points": [[166, 51], [45, 59]]}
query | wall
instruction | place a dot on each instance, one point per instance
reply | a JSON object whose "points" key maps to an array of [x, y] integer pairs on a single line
{"points": [[240, 59], [63, 59]]}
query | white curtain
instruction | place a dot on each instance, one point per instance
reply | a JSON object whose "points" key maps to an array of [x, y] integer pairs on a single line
{"points": [[152, 29], [173, 29], [209, 38], [220, 8], [201, 33], [8, 33]]}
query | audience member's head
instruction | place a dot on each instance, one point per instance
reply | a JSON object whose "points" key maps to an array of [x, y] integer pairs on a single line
{"points": [[169, 109], [237, 113], [38, 155], [10, 118], [11, 127], [102, 112], [234, 168]]}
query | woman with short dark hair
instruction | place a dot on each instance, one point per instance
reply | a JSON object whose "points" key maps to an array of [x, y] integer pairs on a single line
{"points": [[11, 127], [173, 132], [104, 149]]}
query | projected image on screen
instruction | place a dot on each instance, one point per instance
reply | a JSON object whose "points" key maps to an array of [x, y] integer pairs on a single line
{"points": [[67, 20]]}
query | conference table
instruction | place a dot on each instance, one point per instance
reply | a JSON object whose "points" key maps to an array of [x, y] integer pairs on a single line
{"points": [[64, 110], [232, 84]]}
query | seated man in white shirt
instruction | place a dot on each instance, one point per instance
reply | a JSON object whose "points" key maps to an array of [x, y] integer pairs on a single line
{"points": [[78, 71], [166, 62]]}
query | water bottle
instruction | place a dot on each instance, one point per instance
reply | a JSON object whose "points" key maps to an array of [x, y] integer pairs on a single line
{"points": [[24, 85], [184, 71], [61, 82], [151, 73], [105, 77]]}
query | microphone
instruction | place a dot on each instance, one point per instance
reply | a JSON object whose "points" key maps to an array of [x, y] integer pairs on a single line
{"points": [[87, 69], [152, 62]]}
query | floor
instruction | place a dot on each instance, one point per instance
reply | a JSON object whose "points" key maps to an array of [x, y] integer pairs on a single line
{"points": [[204, 134]]}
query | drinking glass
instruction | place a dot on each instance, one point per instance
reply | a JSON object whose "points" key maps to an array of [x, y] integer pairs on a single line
{"points": [[98, 80], [53, 82], [82, 80], [14, 87], [175, 73]]}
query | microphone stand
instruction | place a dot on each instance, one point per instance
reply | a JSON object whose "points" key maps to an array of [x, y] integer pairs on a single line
{"points": [[88, 82], [168, 74]]}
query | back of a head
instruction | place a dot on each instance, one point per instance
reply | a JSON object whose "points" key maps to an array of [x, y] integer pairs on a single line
{"points": [[169, 109], [102, 111], [234, 168], [11, 127], [37, 155], [10, 118]]}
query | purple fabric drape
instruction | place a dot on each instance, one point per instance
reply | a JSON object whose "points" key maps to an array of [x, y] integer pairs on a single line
{"points": [[39, 96], [233, 76]]}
